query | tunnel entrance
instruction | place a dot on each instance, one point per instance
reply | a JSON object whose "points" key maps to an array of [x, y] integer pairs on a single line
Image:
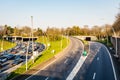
{"points": [[88, 38]]}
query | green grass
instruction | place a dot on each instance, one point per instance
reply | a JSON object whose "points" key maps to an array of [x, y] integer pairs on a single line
{"points": [[46, 55], [105, 42], [6, 45], [85, 42]]}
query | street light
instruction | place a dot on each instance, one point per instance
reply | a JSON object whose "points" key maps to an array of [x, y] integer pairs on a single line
{"points": [[2, 45], [27, 55], [61, 39], [115, 41], [32, 37], [67, 36], [2, 41], [115, 38]]}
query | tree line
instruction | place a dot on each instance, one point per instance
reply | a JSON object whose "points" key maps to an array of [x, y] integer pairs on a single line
{"points": [[116, 25], [54, 33]]}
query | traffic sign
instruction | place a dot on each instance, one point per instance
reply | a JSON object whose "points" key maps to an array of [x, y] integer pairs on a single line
{"points": [[85, 53]]}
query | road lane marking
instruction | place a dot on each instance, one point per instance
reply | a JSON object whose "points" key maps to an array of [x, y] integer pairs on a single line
{"points": [[47, 78], [97, 58], [77, 66], [49, 63], [65, 61], [55, 61], [111, 63], [94, 75]]}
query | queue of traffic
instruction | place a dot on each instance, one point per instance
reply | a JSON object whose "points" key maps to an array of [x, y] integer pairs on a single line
{"points": [[16, 55]]}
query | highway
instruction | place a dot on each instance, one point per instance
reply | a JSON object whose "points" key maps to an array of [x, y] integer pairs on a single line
{"points": [[62, 66], [100, 67]]}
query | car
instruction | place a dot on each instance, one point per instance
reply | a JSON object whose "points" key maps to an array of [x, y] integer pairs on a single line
{"points": [[17, 57], [14, 52], [3, 59], [30, 51], [17, 61], [9, 56], [20, 56], [1, 66]]}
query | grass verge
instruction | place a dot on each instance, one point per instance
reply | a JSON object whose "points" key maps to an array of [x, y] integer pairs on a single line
{"points": [[6, 45], [105, 42]]}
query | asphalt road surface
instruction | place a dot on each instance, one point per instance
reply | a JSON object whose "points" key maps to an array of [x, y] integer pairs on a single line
{"points": [[100, 67], [61, 68]]}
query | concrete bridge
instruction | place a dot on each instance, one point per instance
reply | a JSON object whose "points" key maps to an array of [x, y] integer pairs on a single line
{"points": [[88, 38], [19, 38]]}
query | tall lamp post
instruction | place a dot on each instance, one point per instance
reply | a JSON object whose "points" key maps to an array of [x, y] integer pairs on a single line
{"points": [[2, 44], [27, 55], [32, 37], [61, 39], [116, 55]]}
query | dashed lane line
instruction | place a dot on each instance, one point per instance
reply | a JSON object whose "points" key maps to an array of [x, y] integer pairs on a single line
{"points": [[47, 78], [94, 75]]}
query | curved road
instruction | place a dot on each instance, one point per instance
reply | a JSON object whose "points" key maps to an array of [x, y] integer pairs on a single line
{"points": [[62, 66], [100, 67]]}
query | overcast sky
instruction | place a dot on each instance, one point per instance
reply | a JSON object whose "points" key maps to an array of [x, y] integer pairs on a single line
{"points": [[58, 13]]}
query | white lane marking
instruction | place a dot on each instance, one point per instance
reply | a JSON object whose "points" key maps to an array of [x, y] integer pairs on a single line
{"points": [[94, 75], [97, 58], [47, 78], [111, 63], [46, 65], [77, 66], [65, 61]]}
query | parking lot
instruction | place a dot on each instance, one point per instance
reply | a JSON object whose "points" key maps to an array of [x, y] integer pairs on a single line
{"points": [[17, 55]]}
